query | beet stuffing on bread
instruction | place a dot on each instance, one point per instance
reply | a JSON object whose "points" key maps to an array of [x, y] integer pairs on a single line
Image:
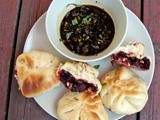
{"points": [[79, 77], [132, 56]]}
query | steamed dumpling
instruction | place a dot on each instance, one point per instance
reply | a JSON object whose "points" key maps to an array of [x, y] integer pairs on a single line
{"points": [[123, 92], [81, 106], [80, 77], [36, 72], [132, 56]]}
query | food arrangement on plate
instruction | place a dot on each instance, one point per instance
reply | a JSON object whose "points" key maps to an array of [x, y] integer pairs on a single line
{"points": [[87, 95], [120, 90]]}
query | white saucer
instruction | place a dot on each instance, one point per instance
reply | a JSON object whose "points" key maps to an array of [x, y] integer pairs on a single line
{"points": [[38, 40]]}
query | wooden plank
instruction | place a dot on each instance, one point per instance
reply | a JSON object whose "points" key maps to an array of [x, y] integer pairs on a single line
{"points": [[20, 107], [8, 13], [151, 18], [134, 6]]}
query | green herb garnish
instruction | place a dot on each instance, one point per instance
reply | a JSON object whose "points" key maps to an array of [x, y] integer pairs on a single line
{"points": [[87, 30], [96, 66], [68, 35], [86, 20], [74, 21]]}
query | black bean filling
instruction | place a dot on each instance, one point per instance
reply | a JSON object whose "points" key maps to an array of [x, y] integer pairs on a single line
{"points": [[125, 58], [75, 85]]}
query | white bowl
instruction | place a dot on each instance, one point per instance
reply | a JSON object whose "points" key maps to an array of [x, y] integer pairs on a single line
{"points": [[58, 9]]}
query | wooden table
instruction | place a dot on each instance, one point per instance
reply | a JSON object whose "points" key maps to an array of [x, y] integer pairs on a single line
{"points": [[16, 19]]}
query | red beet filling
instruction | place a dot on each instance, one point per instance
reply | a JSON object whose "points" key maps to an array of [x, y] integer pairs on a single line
{"points": [[124, 58], [75, 85]]}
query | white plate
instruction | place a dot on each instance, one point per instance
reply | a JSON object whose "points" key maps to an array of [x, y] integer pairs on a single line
{"points": [[37, 40]]}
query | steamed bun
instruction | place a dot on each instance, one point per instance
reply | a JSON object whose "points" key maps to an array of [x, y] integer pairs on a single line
{"points": [[36, 72], [81, 106], [80, 77], [123, 92]]}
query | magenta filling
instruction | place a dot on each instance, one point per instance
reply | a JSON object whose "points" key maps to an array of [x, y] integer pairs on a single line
{"points": [[124, 58], [75, 85]]}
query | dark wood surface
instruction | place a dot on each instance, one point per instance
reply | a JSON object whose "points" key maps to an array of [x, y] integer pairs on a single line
{"points": [[17, 18]]}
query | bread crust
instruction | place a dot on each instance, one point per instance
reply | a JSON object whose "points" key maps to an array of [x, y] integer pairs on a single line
{"points": [[36, 72]]}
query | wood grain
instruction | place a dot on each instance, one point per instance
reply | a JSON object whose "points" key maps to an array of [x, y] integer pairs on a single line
{"points": [[134, 6], [20, 107], [8, 12], [151, 17]]}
